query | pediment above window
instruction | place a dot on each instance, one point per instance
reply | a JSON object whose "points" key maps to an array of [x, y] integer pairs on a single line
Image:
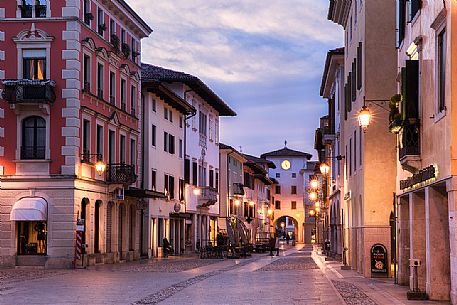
{"points": [[89, 43], [33, 35], [101, 52]]}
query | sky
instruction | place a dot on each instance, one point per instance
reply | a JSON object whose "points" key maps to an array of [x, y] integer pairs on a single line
{"points": [[263, 58]]}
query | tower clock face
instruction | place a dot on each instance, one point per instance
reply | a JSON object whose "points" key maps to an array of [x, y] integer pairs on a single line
{"points": [[285, 165]]}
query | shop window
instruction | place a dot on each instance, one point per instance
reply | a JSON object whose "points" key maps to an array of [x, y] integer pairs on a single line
{"points": [[33, 138], [34, 64], [32, 237]]}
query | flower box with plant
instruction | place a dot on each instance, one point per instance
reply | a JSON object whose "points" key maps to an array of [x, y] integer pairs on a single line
{"points": [[102, 27], [125, 50], [395, 117], [88, 17], [115, 42]]}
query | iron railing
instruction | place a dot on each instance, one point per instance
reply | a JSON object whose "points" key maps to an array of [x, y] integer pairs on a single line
{"points": [[29, 91], [120, 173], [208, 196], [410, 140]]}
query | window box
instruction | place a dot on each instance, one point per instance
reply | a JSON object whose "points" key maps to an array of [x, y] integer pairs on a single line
{"points": [[88, 17], [115, 42]]}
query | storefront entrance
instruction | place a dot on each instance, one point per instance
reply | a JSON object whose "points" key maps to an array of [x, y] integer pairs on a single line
{"points": [[31, 237]]}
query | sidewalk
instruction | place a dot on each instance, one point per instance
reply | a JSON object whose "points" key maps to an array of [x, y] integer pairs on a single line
{"points": [[355, 289]]}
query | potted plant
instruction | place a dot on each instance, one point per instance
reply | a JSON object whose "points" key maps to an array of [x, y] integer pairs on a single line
{"points": [[88, 17], [395, 117], [115, 41], [102, 27], [125, 50]]}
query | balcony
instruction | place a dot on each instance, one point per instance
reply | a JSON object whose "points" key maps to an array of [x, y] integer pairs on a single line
{"points": [[409, 152], [238, 189], [29, 91], [208, 197], [121, 174], [203, 141]]}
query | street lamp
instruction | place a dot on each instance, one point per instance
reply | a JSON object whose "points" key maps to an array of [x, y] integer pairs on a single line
{"points": [[364, 118], [324, 168], [197, 191], [311, 213], [312, 196], [251, 203], [237, 202], [100, 166], [314, 183]]}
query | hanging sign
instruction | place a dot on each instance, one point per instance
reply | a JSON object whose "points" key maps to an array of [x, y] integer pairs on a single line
{"points": [[424, 175]]}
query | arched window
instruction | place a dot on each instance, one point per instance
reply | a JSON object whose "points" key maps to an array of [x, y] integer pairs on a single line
{"points": [[33, 138]]}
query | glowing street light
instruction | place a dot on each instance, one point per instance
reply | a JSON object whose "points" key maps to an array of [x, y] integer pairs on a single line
{"points": [[270, 212], [314, 184], [312, 196], [197, 191], [251, 203], [100, 167], [364, 117], [324, 168], [237, 202], [311, 213]]}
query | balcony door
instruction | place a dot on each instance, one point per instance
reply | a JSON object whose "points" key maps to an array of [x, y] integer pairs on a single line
{"points": [[34, 64], [33, 138]]}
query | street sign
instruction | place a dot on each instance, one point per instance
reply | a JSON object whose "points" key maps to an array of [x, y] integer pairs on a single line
{"points": [[379, 260], [80, 225]]}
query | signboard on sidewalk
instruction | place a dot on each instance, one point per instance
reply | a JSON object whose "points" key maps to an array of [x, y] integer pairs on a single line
{"points": [[379, 260], [80, 225]]}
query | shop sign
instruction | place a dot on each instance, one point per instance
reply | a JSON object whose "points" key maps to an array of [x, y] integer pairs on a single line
{"points": [[379, 260], [424, 175], [80, 225]]}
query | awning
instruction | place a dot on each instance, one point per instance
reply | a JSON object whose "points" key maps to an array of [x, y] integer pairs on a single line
{"points": [[29, 209]]}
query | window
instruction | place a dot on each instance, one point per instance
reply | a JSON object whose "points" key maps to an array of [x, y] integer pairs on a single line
{"points": [[359, 66], [293, 205], [154, 135], [100, 22], [181, 121], [203, 122], [182, 190], [277, 205], [278, 189], [194, 173], [165, 113], [170, 115], [34, 64], [112, 88], [86, 137], [401, 21], [112, 147], [355, 150], [100, 81], [112, 27], [86, 11], [360, 146], [86, 76], [33, 9], [99, 140], [187, 171], [350, 157], [153, 180], [180, 148], [293, 190], [211, 178], [217, 131], [123, 39], [278, 175], [441, 69], [154, 106], [168, 143], [414, 7], [122, 149], [346, 161], [133, 152], [133, 100], [217, 181], [123, 94], [169, 186], [211, 138], [294, 175], [33, 138]]}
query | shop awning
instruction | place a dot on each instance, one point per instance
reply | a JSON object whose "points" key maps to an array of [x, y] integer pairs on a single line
{"points": [[29, 209]]}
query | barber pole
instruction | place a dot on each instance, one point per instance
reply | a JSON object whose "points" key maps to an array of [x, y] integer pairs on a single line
{"points": [[79, 238]]}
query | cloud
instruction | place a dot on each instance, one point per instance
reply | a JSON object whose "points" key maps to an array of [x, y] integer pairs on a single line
{"points": [[238, 40], [264, 58]]}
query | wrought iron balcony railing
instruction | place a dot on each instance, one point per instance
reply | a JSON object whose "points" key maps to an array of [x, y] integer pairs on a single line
{"points": [[120, 173], [208, 196], [29, 91], [238, 189], [410, 140]]}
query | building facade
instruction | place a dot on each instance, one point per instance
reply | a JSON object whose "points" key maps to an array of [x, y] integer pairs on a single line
{"points": [[200, 153], [164, 116], [422, 116], [71, 86], [289, 193], [369, 156]]}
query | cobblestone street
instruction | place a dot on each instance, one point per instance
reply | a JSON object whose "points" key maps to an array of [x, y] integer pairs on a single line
{"points": [[295, 277]]}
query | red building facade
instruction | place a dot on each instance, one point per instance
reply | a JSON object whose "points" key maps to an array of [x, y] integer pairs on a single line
{"points": [[71, 98]]}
